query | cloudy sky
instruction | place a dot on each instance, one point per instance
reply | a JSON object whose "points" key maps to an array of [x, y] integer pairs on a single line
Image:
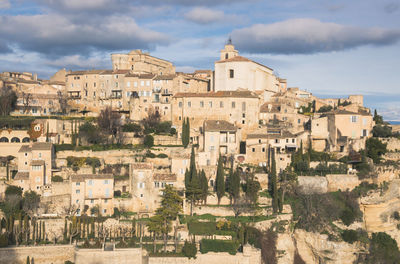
{"points": [[328, 47]]}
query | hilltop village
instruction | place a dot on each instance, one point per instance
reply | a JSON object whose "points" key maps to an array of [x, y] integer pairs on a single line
{"points": [[143, 164]]}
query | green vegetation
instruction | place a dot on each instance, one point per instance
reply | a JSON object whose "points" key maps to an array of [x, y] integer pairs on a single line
{"points": [[325, 108], [274, 184], [189, 250], [375, 149], [57, 179], [202, 228], [382, 249], [8, 100], [220, 180], [148, 141], [351, 236], [215, 245], [185, 132]]}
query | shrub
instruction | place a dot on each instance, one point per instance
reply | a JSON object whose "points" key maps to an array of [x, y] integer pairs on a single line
{"points": [[325, 108], [13, 190], [62, 147], [148, 141], [150, 155], [396, 215], [162, 156], [347, 217], [172, 131], [189, 250], [202, 228], [131, 127], [350, 236], [383, 249], [215, 245], [117, 193], [3, 240], [57, 179]]}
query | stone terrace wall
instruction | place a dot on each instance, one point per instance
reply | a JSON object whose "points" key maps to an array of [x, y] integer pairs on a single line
{"points": [[342, 182], [98, 256], [41, 255], [393, 144], [312, 184]]}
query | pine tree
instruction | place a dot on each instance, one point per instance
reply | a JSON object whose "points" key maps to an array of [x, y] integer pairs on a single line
{"points": [[274, 181], [220, 180]]}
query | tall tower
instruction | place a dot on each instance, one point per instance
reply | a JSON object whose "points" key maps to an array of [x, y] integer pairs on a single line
{"points": [[228, 51]]}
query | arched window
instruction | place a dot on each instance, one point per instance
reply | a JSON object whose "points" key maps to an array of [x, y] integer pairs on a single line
{"points": [[25, 139], [226, 56], [15, 140], [4, 139]]}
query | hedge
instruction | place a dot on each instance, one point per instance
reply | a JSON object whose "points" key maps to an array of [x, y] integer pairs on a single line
{"points": [[202, 228], [215, 245]]}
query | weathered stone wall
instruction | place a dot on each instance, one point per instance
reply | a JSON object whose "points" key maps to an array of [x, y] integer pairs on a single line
{"points": [[98, 256], [41, 255], [342, 182], [312, 184], [386, 174], [167, 140], [393, 144], [60, 188]]}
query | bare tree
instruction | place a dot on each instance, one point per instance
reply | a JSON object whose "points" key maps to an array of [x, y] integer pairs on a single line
{"points": [[109, 122], [70, 209], [56, 234], [26, 101], [8, 100], [62, 101]]}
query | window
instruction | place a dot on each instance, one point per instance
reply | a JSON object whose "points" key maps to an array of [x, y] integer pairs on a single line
{"points": [[287, 140], [90, 193], [244, 106], [253, 149], [263, 149], [90, 182], [221, 104], [244, 115], [293, 140], [107, 192], [36, 167], [231, 73], [37, 179], [78, 184], [189, 104], [77, 201], [353, 119], [226, 56], [364, 133], [26, 154], [147, 83], [105, 181], [105, 201], [181, 171], [180, 104], [141, 83], [233, 104], [78, 191], [104, 211], [156, 184], [276, 140], [141, 185], [91, 201], [210, 104], [37, 128], [243, 122], [201, 104], [141, 195], [135, 84], [128, 84], [298, 121], [40, 155]]}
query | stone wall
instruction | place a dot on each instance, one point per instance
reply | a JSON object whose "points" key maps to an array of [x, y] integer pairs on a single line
{"points": [[41, 255], [249, 256], [386, 174], [393, 144], [98, 256], [167, 140], [312, 184], [342, 182]]}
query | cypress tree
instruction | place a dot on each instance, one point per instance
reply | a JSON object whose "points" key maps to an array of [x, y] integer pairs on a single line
{"points": [[274, 183], [234, 185], [44, 232], [92, 228], [87, 229], [28, 260], [204, 186], [187, 131], [47, 132], [192, 182], [184, 133], [39, 237], [220, 180], [65, 230]]}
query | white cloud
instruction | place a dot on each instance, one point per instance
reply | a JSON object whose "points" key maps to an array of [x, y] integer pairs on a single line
{"points": [[204, 15], [307, 36], [4, 4], [60, 35]]}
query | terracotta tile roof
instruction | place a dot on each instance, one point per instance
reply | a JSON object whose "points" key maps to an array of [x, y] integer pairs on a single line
{"points": [[37, 162], [141, 76], [165, 77], [237, 94], [240, 58], [83, 177], [21, 176], [25, 148], [42, 146], [142, 166], [218, 125], [166, 177]]}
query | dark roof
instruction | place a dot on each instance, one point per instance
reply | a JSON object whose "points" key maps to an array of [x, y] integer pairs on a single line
{"points": [[21, 176], [237, 94], [83, 177], [167, 177], [42, 146], [142, 166], [218, 125]]}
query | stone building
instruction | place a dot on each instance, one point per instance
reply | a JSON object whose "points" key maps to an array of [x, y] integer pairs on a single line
{"points": [[92, 190], [36, 163]]}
